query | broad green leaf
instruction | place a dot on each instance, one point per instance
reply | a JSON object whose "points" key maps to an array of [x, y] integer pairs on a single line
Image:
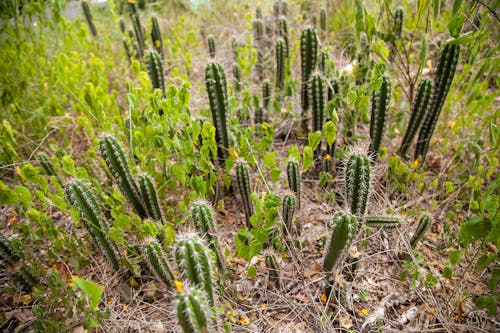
{"points": [[91, 289], [487, 302], [7, 196], [314, 139], [475, 228], [330, 132], [251, 272], [307, 157]]}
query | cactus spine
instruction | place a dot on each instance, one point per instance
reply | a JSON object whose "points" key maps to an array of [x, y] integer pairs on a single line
{"points": [[155, 71], [419, 108], [155, 258], [243, 182], [79, 194], [115, 158], [293, 175], [193, 312], [442, 83], [380, 107], [193, 261], [423, 225], [202, 215], [398, 22], [88, 18], [323, 19], [156, 37], [215, 80], [382, 221], [274, 271], [308, 56], [280, 63], [357, 181], [288, 212], [139, 35], [345, 228], [211, 46], [150, 197]]}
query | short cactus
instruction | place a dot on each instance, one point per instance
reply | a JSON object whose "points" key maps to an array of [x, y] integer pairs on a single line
{"points": [[266, 101], [274, 271], [155, 71], [156, 37], [215, 80], [150, 198], [211, 46], [423, 225], [345, 229], [194, 264], [193, 312], [418, 110], [156, 259], [309, 44], [442, 83], [382, 221], [243, 182], [288, 212], [113, 154], [293, 175], [88, 18], [280, 64], [357, 182], [79, 194], [380, 108], [202, 214]]}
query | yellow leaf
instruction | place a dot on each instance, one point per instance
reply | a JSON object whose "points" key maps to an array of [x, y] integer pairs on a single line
{"points": [[179, 285]]}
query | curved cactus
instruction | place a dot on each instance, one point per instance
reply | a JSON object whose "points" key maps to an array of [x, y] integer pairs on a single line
{"points": [[418, 110], [274, 271], [308, 55], [215, 80], [202, 215], [243, 182], [237, 78], [423, 225], [442, 83], [88, 18], [156, 37], [322, 19], [357, 182], [345, 228], [211, 46], [155, 71], [293, 175], [156, 259], [280, 63], [317, 98], [398, 22], [288, 212], [193, 262], [150, 197], [193, 312], [380, 108], [139, 35], [79, 194], [115, 158], [382, 221]]}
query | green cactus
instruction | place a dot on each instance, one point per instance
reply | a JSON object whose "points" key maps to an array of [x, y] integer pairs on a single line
{"points": [[155, 71], [317, 98], [10, 259], [266, 101], [113, 154], [323, 19], [423, 225], [418, 110], [280, 64], [211, 46], [324, 59], [288, 212], [309, 44], [274, 271], [293, 175], [202, 214], [382, 221], [235, 46], [398, 22], [237, 78], [283, 33], [156, 259], [357, 182], [194, 264], [333, 88], [123, 27], [139, 35], [258, 26], [215, 80], [150, 198], [88, 18], [380, 108], [442, 83], [243, 182], [126, 46], [79, 194], [46, 164], [345, 229], [193, 312], [258, 12], [156, 37]]}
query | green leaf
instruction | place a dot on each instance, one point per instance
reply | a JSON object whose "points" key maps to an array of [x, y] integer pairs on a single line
{"points": [[23, 196], [307, 157], [475, 228], [330, 132], [422, 56], [117, 235], [251, 272], [314, 139], [456, 7], [455, 257], [91, 289], [487, 302], [68, 165], [455, 24], [270, 159], [7, 196], [271, 201]]}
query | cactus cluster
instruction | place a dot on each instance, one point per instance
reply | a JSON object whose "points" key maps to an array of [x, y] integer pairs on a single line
{"points": [[357, 182], [88, 17], [345, 229], [309, 45], [243, 182], [380, 108], [156, 259]]}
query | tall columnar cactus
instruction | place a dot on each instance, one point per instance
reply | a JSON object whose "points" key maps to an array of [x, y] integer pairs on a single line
{"points": [[266, 100], [114, 156], [442, 83], [79, 194], [215, 80], [150, 198], [258, 26], [317, 98], [237, 78], [274, 271], [418, 110], [357, 182], [211, 46], [280, 64], [293, 175], [156, 37], [156, 259], [155, 71], [288, 212], [423, 225], [323, 19], [283, 33], [139, 35], [398, 22], [193, 312], [243, 182], [309, 43], [380, 108], [202, 214], [88, 18], [193, 261], [345, 229], [11, 259]]}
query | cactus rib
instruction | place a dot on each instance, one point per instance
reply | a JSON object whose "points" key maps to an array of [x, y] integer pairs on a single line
{"points": [[345, 227], [357, 181], [308, 55], [150, 197], [380, 107], [193, 312], [243, 182], [156, 260], [293, 175]]}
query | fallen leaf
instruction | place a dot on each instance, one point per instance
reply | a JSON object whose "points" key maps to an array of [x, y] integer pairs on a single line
{"points": [[313, 270], [302, 298]]}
